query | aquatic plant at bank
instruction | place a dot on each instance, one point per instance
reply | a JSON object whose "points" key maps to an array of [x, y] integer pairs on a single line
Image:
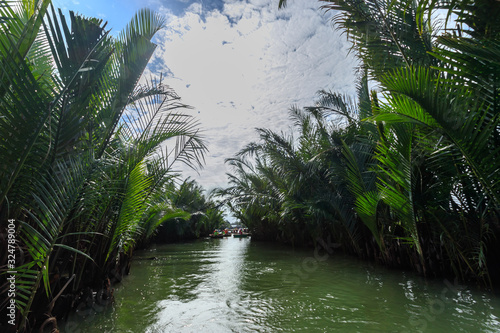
{"points": [[84, 149], [408, 175]]}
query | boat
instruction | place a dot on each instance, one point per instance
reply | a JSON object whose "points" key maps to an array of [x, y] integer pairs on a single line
{"points": [[216, 236], [241, 235]]}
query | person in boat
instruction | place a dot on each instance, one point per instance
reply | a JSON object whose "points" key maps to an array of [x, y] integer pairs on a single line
{"points": [[215, 232], [240, 231]]}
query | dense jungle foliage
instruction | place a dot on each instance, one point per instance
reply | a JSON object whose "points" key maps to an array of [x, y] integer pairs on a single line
{"points": [[408, 171], [88, 158], [405, 173]]}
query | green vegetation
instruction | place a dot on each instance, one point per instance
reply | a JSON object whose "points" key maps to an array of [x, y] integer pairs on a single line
{"points": [[406, 174], [409, 173], [203, 215], [87, 155]]}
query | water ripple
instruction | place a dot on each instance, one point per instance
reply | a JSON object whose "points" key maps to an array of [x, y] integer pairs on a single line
{"points": [[234, 285]]}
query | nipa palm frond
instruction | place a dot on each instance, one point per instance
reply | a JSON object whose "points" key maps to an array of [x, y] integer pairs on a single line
{"points": [[55, 198]]}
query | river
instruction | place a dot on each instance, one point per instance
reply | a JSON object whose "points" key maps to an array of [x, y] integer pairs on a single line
{"points": [[236, 285]]}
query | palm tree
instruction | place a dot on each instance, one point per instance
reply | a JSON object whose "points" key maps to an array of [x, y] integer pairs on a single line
{"points": [[83, 144], [437, 151], [293, 183], [452, 100]]}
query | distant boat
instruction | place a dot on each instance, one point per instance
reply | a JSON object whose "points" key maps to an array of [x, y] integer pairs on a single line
{"points": [[216, 236], [241, 235]]}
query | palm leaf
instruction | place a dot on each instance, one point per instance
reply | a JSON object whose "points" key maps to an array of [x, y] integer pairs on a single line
{"points": [[54, 200], [385, 33], [81, 53], [366, 199], [397, 179], [20, 26], [23, 116], [464, 122], [133, 207], [133, 51], [159, 214]]}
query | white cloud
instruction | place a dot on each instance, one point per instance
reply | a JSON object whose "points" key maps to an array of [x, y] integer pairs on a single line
{"points": [[244, 66]]}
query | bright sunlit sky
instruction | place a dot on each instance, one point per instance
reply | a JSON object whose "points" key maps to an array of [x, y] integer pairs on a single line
{"points": [[240, 64]]}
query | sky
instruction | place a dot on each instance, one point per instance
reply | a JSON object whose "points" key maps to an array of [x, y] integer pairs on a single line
{"points": [[240, 64]]}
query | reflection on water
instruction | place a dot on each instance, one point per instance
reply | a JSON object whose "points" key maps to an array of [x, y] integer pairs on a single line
{"points": [[234, 285], [208, 299]]}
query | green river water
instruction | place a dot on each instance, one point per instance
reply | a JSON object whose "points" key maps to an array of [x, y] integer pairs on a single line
{"points": [[236, 285]]}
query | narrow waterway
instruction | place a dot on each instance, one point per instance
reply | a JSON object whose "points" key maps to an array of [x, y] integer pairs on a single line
{"points": [[236, 285]]}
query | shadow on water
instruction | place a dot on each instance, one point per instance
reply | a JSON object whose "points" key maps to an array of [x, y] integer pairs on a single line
{"points": [[234, 285]]}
